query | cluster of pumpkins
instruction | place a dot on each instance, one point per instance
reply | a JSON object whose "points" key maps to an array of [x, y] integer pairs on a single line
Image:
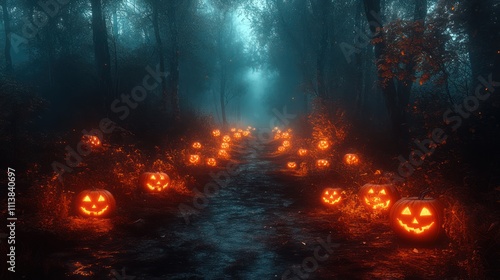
{"points": [[100, 203], [417, 219], [412, 218]]}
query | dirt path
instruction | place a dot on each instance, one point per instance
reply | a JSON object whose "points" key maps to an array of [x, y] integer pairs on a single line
{"points": [[253, 229]]}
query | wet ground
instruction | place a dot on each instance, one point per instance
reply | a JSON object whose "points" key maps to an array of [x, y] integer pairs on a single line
{"points": [[260, 226]]}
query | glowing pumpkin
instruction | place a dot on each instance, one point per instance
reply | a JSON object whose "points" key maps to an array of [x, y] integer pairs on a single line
{"points": [[194, 159], [331, 196], [223, 153], [417, 218], [291, 164], [216, 133], [378, 197], [237, 135], [246, 133], [211, 162], [226, 139], [277, 136], [285, 135], [286, 144], [224, 145], [302, 152], [281, 149], [240, 130], [154, 181], [197, 145], [97, 203], [322, 163], [92, 141], [351, 159], [233, 129], [323, 145]]}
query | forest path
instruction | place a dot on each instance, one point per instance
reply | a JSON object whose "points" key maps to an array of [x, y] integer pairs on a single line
{"points": [[261, 225]]}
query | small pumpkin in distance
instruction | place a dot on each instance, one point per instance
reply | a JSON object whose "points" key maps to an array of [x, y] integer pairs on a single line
{"points": [[226, 139], [331, 196], [378, 197], [91, 140], [194, 159], [216, 133], [211, 162], [98, 203], [302, 152], [286, 144], [323, 144], [351, 159], [417, 219], [154, 181], [322, 163], [197, 145], [291, 164], [281, 149]]}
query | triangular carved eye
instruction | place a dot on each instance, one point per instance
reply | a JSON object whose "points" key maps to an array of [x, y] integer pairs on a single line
{"points": [[86, 199], [101, 198], [382, 192], [335, 193], [425, 212], [371, 191], [406, 211], [327, 192], [161, 177], [153, 177]]}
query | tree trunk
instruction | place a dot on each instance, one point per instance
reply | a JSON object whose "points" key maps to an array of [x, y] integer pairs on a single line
{"points": [[174, 61], [6, 23], [223, 96], [161, 56], [322, 48], [101, 51]]}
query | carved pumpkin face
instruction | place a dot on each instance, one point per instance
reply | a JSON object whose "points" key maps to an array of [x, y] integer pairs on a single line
{"points": [[285, 135], [291, 164], [417, 219], [224, 145], [237, 135], [197, 145], [281, 149], [194, 159], [351, 159], [302, 152], [97, 203], [378, 197], [211, 162], [92, 141], [322, 163], [246, 133], [226, 139], [277, 136], [233, 129], [323, 145], [223, 153], [331, 196], [154, 181], [286, 144], [216, 133]]}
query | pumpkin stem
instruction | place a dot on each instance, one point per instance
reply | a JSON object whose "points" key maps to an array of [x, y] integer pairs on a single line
{"points": [[422, 195]]}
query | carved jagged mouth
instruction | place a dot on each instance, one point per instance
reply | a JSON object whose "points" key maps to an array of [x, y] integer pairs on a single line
{"points": [[331, 201], [94, 213], [418, 230], [159, 188], [378, 205]]}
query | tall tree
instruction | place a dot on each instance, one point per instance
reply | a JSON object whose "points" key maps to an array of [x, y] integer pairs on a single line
{"points": [[6, 23], [101, 50], [155, 5], [172, 14]]}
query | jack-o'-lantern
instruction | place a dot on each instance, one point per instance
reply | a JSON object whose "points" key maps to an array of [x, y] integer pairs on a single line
{"points": [[97, 203], [323, 145], [194, 159], [302, 152], [417, 218], [332, 196], [223, 153], [216, 133], [351, 159], [291, 164], [286, 144], [224, 145], [378, 197], [322, 163], [281, 149], [226, 139], [92, 141], [211, 162], [197, 145], [240, 130], [237, 135], [154, 181], [233, 129], [246, 133], [277, 136], [285, 135]]}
